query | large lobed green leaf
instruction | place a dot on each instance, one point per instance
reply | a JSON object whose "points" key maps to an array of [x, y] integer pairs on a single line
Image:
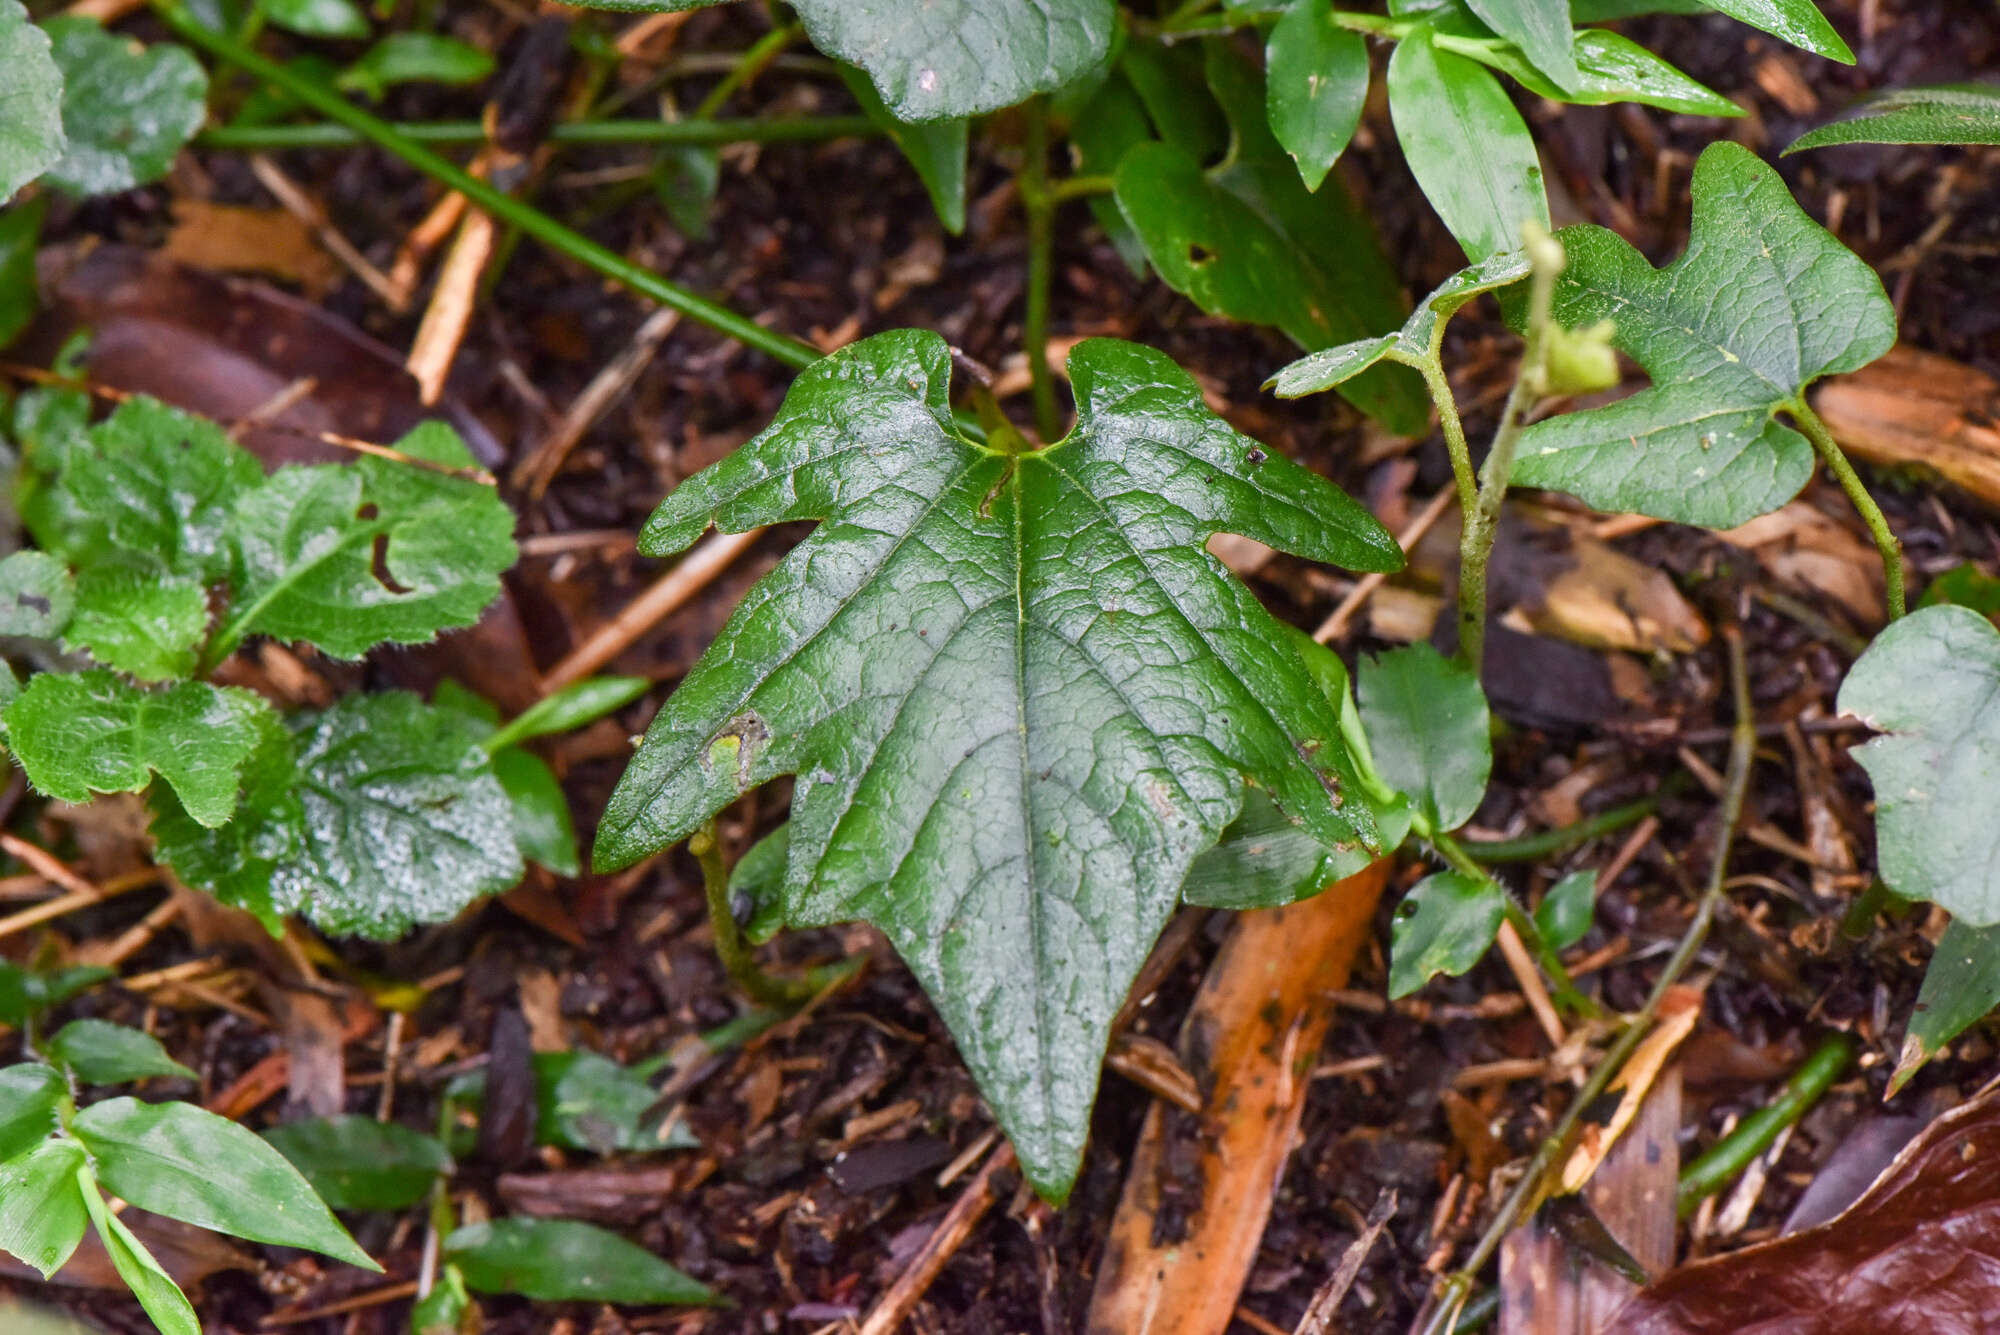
{"points": [[1018, 694], [31, 131], [1762, 303]]}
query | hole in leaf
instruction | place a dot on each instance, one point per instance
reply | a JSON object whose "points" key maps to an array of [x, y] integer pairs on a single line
{"points": [[378, 565], [1198, 254]]}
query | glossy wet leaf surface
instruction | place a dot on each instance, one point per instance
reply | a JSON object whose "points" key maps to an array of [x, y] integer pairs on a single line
{"points": [[1762, 303], [1611, 67], [31, 131], [1952, 113], [357, 1163], [42, 1215], [98, 1052], [37, 596], [564, 1260], [1018, 695], [1429, 728], [126, 107], [1443, 925], [1316, 81], [143, 623], [1797, 21]]}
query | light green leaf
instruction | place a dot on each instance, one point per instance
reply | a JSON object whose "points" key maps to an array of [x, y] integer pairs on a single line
{"points": [[1951, 113], [317, 18], [126, 107], [1467, 146], [1540, 30], [26, 993], [1317, 80], [542, 825], [1018, 694], [1427, 722], [1610, 68], [93, 732], [142, 623], [935, 148], [1796, 21], [358, 1163], [308, 540], [31, 129], [1961, 986], [565, 1260], [1416, 344], [42, 1213], [386, 815], [1931, 684], [187, 1163], [1964, 586], [415, 57], [29, 1096], [441, 1311], [1565, 913], [569, 709], [37, 596], [589, 1102], [1443, 926], [150, 1283], [98, 1052], [1762, 303], [20, 235]]}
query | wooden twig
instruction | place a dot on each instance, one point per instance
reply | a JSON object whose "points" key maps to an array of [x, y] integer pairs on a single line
{"points": [[1522, 965], [435, 347], [1335, 624], [1318, 1318], [307, 210], [971, 1206], [533, 474], [667, 595]]}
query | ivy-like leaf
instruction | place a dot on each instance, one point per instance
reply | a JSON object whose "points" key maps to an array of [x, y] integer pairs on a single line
{"points": [[1427, 720], [1931, 684], [379, 814], [1018, 694], [37, 596], [94, 732], [1950, 113], [1763, 302], [1443, 925], [309, 567], [140, 622], [31, 129], [1317, 80], [42, 1214], [126, 108]]}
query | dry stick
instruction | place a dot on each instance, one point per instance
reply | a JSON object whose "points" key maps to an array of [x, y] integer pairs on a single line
{"points": [[533, 474], [1451, 1292], [450, 311], [950, 1234], [134, 938], [1522, 965], [431, 232], [1318, 1318], [667, 595], [1364, 588], [43, 864], [307, 210]]}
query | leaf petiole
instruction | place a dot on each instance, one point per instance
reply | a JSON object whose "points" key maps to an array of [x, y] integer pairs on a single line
{"points": [[730, 945], [1886, 541]]}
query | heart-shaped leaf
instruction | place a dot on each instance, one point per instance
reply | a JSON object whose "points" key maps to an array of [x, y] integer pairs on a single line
{"points": [[31, 129], [1018, 694], [1762, 303], [126, 108]]}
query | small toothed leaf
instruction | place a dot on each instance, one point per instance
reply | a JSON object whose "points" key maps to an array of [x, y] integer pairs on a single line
{"points": [[126, 107]]}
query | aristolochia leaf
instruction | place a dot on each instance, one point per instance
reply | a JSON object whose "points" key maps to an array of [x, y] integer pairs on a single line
{"points": [[1018, 694], [31, 132], [1931, 684], [126, 107], [1763, 302]]}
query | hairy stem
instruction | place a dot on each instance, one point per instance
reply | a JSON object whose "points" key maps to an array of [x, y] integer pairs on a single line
{"points": [[1843, 472], [1454, 429], [730, 946], [629, 130], [1039, 203], [1754, 1134]]}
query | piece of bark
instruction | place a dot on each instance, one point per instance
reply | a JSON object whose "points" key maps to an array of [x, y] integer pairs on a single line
{"points": [[1251, 1040], [1917, 409]]}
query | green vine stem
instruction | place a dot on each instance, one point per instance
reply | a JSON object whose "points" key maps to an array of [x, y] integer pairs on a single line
{"points": [[1039, 203], [1548, 843], [627, 130], [1454, 429], [788, 351], [1843, 472], [1483, 520], [754, 62], [1754, 1134], [1454, 1288], [730, 945]]}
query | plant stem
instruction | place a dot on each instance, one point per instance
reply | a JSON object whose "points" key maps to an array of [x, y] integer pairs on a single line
{"points": [[1843, 472], [1564, 987], [1452, 1290], [1040, 205], [1482, 522], [529, 219], [730, 946], [754, 61], [1454, 429], [1754, 1134], [1533, 847], [628, 130]]}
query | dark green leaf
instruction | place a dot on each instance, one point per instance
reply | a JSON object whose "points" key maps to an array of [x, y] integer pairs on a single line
{"points": [[1605, 11], [1428, 725], [685, 183], [1174, 91], [358, 1163], [238, 863], [186, 1163], [98, 1052], [37, 596], [1610, 68], [31, 128], [1565, 913], [317, 18], [1109, 125], [564, 1260], [126, 108], [1960, 987], [1018, 694], [20, 234], [569, 709], [29, 1095], [1442, 926], [415, 57], [25, 994], [42, 1214], [542, 826], [1263, 860], [150, 1283], [1540, 30], [1951, 113], [1964, 586], [589, 1102], [94, 732], [1467, 146], [1931, 684], [1317, 76], [309, 564], [757, 884], [961, 57], [1762, 303], [142, 623], [935, 148], [1796, 21]]}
